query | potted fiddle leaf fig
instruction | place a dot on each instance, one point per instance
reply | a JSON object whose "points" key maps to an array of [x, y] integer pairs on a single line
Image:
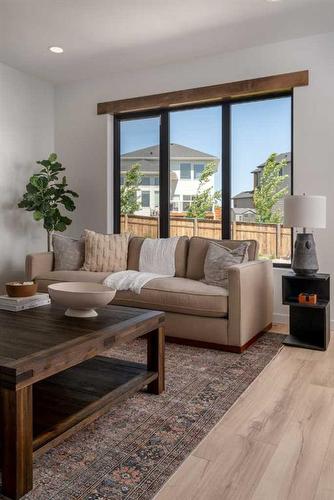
{"points": [[45, 195]]}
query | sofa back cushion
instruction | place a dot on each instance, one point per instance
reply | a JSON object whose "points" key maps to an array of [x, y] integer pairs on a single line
{"points": [[69, 254], [105, 252], [198, 248], [181, 254]]}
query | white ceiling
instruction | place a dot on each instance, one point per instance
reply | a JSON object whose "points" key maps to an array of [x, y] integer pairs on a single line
{"points": [[101, 37]]}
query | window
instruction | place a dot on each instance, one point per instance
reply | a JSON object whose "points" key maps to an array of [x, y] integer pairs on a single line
{"points": [[132, 201], [261, 157], [145, 199], [175, 204], [187, 199], [196, 134], [198, 169], [185, 171], [156, 200], [243, 142]]}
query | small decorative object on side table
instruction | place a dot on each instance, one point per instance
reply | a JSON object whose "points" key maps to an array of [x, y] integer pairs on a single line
{"points": [[309, 323]]}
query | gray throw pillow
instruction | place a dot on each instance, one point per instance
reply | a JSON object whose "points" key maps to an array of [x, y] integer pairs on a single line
{"points": [[69, 253], [217, 261]]}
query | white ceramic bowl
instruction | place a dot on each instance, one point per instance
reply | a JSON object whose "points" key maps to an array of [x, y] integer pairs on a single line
{"points": [[81, 298]]}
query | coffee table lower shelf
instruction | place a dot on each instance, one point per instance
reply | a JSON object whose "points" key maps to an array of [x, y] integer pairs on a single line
{"points": [[70, 400]]}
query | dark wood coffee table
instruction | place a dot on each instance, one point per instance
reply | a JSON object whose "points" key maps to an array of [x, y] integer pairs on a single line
{"points": [[53, 381]]}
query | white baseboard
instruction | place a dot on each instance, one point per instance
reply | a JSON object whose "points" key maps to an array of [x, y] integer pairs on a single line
{"points": [[284, 319], [281, 318]]}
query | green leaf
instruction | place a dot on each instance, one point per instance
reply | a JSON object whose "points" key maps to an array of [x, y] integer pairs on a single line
{"points": [[52, 157], [60, 226], [42, 182], [23, 204], [37, 215], [56, 167], [66, 220], [68, 203], [48, 224], [31, 188], [45, 163], [73, 193], [34, 180]]}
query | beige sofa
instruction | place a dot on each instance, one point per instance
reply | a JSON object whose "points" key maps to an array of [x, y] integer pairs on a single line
{"points": [[196, 313]]}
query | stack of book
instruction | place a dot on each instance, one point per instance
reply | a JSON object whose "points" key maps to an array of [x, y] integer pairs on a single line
{"points": [[22, 303]]}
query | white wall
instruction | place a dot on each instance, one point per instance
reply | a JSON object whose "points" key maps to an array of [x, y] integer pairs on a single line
{"points": [[26, 135], [81, 135]]}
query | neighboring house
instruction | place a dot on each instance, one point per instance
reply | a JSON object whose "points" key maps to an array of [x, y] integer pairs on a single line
{"points": [[243, 214], [244, 199], [186, 166]]}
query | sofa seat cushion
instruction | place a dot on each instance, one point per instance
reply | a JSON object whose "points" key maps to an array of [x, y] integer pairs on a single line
{"points": [[179, 295], [47, 278]]}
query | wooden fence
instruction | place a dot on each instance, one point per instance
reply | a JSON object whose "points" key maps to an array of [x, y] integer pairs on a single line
{"points": [[274, 239]]}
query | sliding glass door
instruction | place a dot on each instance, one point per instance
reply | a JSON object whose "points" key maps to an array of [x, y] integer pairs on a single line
{"points": [[196, 172], [139, 180]]}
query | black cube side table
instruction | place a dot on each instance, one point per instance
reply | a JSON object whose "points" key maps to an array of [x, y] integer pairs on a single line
{"points": [[309, 324]]}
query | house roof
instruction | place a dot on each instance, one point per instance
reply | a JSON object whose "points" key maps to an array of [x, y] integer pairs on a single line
{"points": [[147, 166], [243, 194], [280, 157], [176, 151], [242, 211]]}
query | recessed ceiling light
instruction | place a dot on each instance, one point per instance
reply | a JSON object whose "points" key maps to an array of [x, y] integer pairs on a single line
{"points": [[271, 1], [56, 50]]}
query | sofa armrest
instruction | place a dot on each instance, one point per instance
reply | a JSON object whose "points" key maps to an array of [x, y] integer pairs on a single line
{"points": [[250, 300], [37, 263]]}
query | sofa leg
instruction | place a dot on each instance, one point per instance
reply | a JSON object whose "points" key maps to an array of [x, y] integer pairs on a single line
{"points": [[219, 347]]}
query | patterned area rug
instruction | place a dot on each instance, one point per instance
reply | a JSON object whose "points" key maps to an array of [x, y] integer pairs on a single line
{"points": [[131, 452]]}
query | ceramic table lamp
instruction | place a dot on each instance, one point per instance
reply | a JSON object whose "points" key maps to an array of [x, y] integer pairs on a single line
{"points": [[304, 211]]}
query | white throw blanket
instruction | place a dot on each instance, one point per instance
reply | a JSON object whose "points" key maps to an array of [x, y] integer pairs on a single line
{"points": [[130, 280], [156, 260]]}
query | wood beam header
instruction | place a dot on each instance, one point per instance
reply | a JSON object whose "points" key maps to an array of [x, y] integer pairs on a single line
{"points": [[212, 93]]}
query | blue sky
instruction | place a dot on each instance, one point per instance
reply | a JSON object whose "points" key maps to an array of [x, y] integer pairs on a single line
{"points": [[258, 129]]}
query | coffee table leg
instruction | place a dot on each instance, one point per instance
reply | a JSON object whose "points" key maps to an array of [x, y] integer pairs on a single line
{"points": [[16, 442], [156, 359]]}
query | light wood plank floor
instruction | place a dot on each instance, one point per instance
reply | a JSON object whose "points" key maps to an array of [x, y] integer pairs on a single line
{"points": [[275, 443]]}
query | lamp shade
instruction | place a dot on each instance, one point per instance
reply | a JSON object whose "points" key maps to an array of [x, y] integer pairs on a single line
{"points": [[305, 211]]}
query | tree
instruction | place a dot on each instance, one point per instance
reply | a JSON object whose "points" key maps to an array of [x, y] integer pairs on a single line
{"points": [[204, 199], [129, 201], [270, 191], [45, 195]]}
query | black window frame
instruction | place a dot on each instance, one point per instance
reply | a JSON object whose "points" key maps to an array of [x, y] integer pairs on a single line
{"points": [[164, 160]]}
